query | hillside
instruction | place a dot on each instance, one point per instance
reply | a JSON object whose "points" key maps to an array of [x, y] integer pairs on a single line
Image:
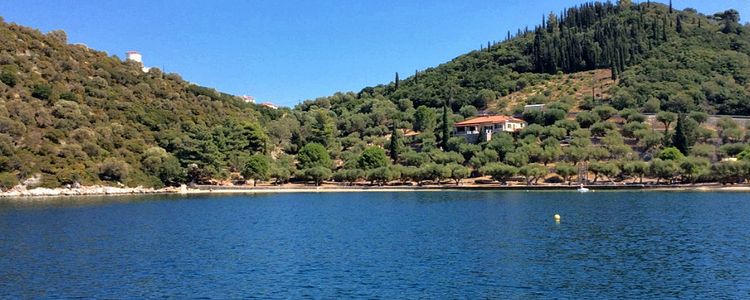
{"points": [[657, 52], [69, 114], [74, 114]]}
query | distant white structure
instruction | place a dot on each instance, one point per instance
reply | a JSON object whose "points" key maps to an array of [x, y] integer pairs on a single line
{"points": [[531, 107], [269, 105], [136, 57], [248, 99]]}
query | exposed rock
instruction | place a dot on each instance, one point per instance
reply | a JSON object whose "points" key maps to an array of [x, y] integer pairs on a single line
{"points": [[21, 191]]}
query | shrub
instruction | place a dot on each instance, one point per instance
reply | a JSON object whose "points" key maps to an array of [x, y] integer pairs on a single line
{"points": [[7, 181], [113, 170]]}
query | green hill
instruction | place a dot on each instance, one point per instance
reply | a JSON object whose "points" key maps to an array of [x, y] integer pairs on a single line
{"points": [[684, 59], [76, 115]]}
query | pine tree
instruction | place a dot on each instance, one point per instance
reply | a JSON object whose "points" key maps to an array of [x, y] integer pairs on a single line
{"points": [[393, 148], [680, 140]]}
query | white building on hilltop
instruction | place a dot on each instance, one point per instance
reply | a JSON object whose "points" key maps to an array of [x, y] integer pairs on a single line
{"points": [[248, 99], [136, 57]]}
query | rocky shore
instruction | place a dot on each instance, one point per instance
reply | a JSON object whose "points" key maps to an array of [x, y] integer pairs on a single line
{"points": [[96, 190]]}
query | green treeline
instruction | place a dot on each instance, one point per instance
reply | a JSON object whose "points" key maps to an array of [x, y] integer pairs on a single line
{"points": [[76, 115]]}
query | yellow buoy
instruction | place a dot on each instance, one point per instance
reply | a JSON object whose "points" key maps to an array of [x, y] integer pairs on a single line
{"points": [[557, 218]]}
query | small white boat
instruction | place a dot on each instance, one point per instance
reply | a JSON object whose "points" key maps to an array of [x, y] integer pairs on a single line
{"points": [[582, 189]]}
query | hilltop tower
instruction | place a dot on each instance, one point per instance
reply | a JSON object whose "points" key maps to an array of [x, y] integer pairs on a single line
{"points": [[134, 56]]}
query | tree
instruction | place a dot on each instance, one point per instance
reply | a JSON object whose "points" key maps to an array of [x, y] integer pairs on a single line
{"points": [[317, 174], [157, 162], [349, 176], [680, 139], [566, 171], [424, 119], [499, 172], [533, 172], [607, 169], [586, 118], [727, 172], [605, 112], [666, 118], [313, 155], [282, 169], [635, 169], [323, 127], [664, 169], [458, 172], [693, 167], [257, 168], [372, 158], [395, 146], [397, 81], [730, 21], [553, 115], [381, 175], [434, 172], [446, 127]]}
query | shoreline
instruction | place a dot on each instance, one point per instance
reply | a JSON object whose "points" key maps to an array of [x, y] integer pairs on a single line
{"points": [[298, 188]]}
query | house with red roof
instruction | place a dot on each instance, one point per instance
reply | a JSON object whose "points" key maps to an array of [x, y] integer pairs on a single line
{"points": [[480, 129]]}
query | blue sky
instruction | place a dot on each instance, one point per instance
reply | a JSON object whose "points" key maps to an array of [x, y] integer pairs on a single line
{"points": [[287, 51]]}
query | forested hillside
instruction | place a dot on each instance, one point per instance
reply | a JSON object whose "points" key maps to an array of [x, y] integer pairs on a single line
{"points": [[683, 59], [76, 115], [73, 114]]}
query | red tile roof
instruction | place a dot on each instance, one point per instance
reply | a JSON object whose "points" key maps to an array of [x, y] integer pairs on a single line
{"points": [[488, 119]]}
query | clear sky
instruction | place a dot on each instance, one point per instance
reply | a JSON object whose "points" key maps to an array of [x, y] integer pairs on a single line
{"points": [[287, 51]]}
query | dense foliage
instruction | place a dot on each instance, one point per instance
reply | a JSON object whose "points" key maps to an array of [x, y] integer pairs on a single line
{"points": [[76, 115]]}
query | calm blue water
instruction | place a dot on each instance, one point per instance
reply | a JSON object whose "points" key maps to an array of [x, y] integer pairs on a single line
{"points": [[380, 245]]}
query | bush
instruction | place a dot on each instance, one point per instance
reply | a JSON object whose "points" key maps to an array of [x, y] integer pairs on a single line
{"points": [[7, 181], [587, 118], [41, 91], [113, 170], [671, 153], [8, 78]]}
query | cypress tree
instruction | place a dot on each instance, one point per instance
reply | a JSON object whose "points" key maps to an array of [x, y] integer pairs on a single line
{"points": [[680, 140], [679, 24], [670, 6], [446, 130], [397, 80], [393, 148]]}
